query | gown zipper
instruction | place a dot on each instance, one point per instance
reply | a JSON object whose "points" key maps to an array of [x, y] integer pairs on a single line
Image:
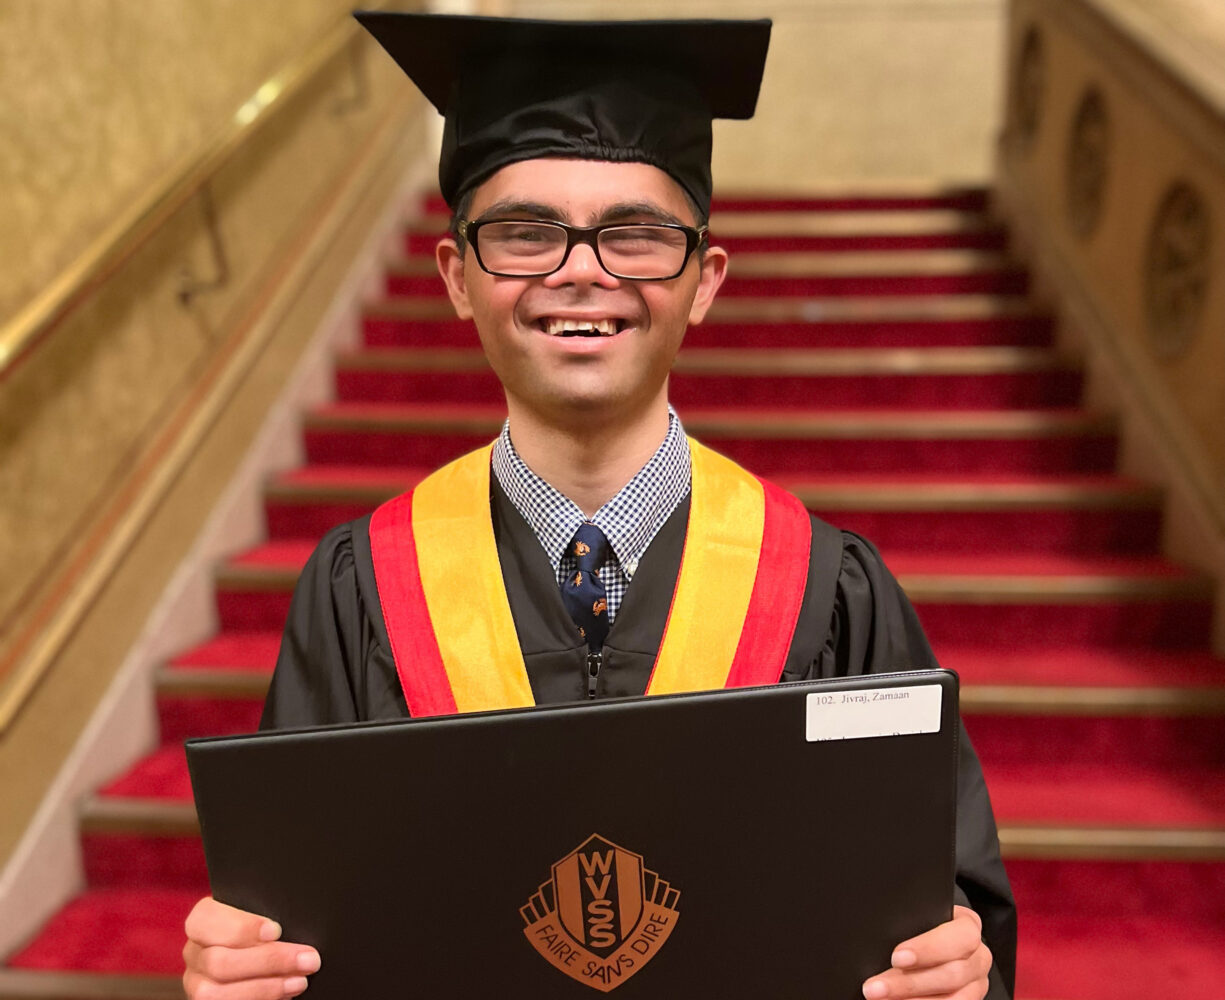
{"points": [[595, 658]]}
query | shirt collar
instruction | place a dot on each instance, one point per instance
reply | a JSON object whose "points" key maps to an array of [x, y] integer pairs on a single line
{"points": [[630, 520]]}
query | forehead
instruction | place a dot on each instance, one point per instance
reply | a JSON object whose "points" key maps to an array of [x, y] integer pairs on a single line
{"points": [[582, 190]]}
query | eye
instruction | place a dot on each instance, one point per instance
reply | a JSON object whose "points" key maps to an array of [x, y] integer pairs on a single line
{"points": [[633, 240], [521, 237]]}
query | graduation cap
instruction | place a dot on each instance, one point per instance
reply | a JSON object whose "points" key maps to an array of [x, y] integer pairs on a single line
{"points": [[514, 89]]}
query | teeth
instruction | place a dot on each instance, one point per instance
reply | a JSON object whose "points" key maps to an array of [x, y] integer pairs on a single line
{"points": [[558, 327]]}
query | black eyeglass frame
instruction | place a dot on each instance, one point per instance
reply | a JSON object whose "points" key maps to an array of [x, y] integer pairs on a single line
{"points": [[469, 229]]}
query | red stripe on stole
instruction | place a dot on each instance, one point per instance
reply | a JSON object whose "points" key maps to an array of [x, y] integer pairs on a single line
{"points": [[778, 591], [414, 647]]}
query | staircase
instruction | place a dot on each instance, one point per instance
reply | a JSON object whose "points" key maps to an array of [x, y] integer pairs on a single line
{"points": [[878, 357]]}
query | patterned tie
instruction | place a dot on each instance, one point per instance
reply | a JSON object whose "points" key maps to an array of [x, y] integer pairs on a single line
{"points": [[583, 592]]}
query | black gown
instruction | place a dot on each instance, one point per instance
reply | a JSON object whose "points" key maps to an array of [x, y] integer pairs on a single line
{"points": [[335, 664]]}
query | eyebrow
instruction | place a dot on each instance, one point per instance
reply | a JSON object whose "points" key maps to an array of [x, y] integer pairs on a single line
{"points": [[619, 212], [638, 210], [526, 209]]}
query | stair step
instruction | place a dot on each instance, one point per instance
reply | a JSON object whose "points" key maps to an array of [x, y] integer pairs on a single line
{"points": [[116, 930], [881, 492], [1000, 281], [32, 984], [805, 309], [1107, 795], [404, 323], [206, 709], [252, 650], [987, 237], [881, 263], [214, 682], [1014, 576], [1085, 667], [774, 443], [968, 378], [910, 222], [893, 197], [220, 683], [1092, 600], [1140, 958], [1182, 954], [1175, 744], [817, 361], [1076, 514], [873, 221], [171, 819]]}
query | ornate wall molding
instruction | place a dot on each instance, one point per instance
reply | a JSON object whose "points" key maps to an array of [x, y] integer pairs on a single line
{"points": [[1088, 162], [1177, 275], [1029, 85]]}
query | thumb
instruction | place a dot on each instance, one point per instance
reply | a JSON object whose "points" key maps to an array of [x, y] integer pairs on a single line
{"points": [[211, 923]]}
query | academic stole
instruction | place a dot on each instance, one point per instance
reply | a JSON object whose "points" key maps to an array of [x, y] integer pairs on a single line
{"points": [[737, 600]]}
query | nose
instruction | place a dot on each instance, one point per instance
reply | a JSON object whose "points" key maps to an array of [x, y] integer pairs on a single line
{"points": [[581, 267]]}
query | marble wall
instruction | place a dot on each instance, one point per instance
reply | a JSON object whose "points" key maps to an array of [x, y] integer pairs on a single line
{"points": [[101, 99], [108, 97], [856, 91]]}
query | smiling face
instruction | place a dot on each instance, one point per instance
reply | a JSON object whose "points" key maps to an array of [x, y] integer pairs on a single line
{"points": [[628, 331]]}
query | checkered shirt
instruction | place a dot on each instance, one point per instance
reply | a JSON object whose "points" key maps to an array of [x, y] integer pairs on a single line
{"points": [[630, 520]]}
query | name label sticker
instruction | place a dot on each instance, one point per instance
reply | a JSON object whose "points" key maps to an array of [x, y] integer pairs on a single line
{"points": [[858, 715]]}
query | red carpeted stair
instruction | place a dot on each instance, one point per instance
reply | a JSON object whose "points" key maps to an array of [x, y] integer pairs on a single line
{"points": [[878, 356]]}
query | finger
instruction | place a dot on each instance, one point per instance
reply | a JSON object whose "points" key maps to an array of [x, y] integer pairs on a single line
{"points": [[975, 991], [943, 980], [214, 923], [956, 939], [198, 987], [938, 982], [278, 958]]}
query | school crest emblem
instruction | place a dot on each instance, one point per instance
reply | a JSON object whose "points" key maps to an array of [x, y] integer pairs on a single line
{"points": [[602, 916]]}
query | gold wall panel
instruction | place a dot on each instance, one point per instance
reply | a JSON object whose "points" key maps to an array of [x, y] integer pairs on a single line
{"points": [[855, 92], [101, 99], [36, 744], [84, 408]]}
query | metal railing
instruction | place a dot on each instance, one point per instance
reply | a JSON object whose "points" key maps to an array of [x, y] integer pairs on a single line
{"points": [[133, 228]]}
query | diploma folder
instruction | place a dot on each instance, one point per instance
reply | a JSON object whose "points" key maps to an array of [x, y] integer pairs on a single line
{"points": [[758, 842]]}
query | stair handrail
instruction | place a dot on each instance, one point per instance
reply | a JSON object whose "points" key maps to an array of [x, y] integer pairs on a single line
{"points": [[140, 221]]}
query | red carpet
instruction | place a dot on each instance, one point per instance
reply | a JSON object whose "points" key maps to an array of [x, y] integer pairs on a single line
{"points": [[913, 399]]}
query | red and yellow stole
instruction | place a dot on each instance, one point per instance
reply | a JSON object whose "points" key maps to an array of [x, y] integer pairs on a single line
{"points": [[737, 598]]}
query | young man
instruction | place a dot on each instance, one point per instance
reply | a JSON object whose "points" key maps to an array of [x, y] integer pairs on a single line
{"points": [[580, 254]]}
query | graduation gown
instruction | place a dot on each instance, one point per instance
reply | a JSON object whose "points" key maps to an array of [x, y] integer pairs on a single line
{"points": [[335, 663]]}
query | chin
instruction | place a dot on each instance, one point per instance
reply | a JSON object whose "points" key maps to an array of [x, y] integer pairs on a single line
{"points": [[569, 406]]}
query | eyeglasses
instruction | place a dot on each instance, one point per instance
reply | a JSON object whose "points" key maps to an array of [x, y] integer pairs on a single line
{"points": [[528, 249]]}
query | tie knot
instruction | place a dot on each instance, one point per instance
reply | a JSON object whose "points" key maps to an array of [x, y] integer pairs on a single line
{"points": [[589, 547]]}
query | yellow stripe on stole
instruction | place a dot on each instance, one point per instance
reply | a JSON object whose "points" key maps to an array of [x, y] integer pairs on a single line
{"points": [[462, 579], [727, 516], [457, 557]]}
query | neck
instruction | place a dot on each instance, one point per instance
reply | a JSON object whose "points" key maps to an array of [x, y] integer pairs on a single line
{"points": [[588, 461]]}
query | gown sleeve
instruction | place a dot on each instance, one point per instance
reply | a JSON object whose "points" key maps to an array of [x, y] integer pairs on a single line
{"points": [[334, 665], [874, 629]]}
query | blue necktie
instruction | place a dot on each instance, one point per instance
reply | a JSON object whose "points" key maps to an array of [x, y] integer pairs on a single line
{"points": [[583, 592]]}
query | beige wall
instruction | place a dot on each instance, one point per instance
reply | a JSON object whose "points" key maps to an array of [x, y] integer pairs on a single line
{"points": [[856, 91]]}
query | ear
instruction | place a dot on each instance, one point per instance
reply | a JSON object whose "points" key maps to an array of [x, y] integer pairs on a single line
{"points": [[713, 271], [451, 267]]}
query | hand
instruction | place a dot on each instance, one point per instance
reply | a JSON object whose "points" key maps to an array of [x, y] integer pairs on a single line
{"points": [[949, 962], [234, 955]]}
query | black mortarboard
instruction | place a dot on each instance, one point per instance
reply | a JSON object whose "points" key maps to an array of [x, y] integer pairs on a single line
{"points": [[513, 89]]}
